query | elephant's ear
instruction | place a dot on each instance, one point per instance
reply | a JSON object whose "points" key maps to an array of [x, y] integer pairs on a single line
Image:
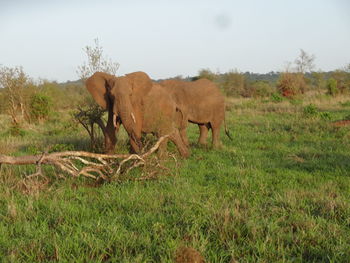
{"points": [[99, 85], [141, 84]]}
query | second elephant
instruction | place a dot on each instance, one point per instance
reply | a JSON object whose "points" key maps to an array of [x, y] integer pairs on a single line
{"points": [[202, 103]]}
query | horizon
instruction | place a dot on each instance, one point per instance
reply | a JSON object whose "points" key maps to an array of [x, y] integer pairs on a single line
{"points": [[166, 38]]}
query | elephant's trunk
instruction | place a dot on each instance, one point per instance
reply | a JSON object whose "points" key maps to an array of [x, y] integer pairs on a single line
{"points": [[124, 110]]}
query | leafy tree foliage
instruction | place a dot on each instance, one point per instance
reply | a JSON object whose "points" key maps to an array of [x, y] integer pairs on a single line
{"points": [[332, 88], [39, 107], [206, 74], [318, 80], [15, 83], [234, 83], [260, 89]]}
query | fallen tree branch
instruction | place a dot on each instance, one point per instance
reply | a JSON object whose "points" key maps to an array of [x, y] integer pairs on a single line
{"points": [[76, 163]]}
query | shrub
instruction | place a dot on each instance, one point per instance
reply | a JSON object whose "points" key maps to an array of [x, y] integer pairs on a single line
{"points": [[325, 115], [260, 89], [16, 130], [206, 74], [310, 110], [88, 114], [32, 149], [291, 84], [342, 78], [275, 97], [345, 104], [39, 106], [332, 88], [234, 83], [61, 147], [346, 118]]}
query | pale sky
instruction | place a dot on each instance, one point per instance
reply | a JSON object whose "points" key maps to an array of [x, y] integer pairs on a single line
{"points": [[166, 38]]}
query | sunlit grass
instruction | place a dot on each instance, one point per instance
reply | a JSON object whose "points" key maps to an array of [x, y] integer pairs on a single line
{"points": [[277, 193]]}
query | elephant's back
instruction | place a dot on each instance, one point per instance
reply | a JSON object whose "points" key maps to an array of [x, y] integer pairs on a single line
{"points": [[159, 109]]}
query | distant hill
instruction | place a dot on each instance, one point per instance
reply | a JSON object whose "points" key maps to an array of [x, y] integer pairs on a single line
{"points": [[78, 82]]}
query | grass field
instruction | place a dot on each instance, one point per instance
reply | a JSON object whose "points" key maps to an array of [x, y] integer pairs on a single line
{"points": [[279, 192]]}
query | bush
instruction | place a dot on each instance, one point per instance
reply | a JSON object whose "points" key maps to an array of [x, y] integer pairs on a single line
{"points": [[332, 88], [234, 84], [345, 104], [310, 110], [325, 116], [39, 107], [346, 118], [260, 89], [16, 130], [61, 147], [275, 97], [291, 84], [206, 74]]}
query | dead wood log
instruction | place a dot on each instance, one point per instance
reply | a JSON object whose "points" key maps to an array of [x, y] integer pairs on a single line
{"points": [[76, 163]]}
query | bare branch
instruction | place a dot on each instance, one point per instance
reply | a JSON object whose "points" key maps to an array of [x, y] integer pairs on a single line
{"points": [[95, 166]]}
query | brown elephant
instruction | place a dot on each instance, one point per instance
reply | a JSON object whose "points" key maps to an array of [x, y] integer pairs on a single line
{"points": [[140, 105], [202, 103]]}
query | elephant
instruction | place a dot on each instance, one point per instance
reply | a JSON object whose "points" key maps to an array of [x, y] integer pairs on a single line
{"points": [[201, 103], [140, 105]]}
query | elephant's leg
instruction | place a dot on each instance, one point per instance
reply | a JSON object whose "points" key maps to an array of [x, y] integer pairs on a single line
{"points": [[182, 120], [109, 134], [162, 148], [183, 134], [176, 138], [215, 135], [203, 133]]}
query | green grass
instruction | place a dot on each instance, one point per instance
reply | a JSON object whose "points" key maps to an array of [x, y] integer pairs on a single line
{"points": [[279, 192]]}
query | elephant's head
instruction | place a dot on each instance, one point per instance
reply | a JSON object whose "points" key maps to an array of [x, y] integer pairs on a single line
{"points": [[121, 95], [127, 93], [99, 86]]}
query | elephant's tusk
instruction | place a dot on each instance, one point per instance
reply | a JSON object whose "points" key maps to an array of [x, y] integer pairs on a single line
{"points": [[115, 120], [133, 117]]}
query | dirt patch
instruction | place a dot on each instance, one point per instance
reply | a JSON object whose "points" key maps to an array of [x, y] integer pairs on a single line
{"points": [[188, 255], [341, 123]]}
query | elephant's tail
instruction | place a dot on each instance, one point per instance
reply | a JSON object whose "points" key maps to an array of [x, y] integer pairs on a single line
{"points": [[227, 131]]}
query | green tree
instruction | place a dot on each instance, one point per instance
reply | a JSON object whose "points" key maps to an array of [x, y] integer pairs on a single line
{"points": [[206, 74], [318, 80], [343, 79], [234, 83], [260, 88], [39, 107], [15, 81], [332, 88]]}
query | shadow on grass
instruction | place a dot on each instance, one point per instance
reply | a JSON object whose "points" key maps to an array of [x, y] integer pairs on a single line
{"points": [[326, 163]]}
